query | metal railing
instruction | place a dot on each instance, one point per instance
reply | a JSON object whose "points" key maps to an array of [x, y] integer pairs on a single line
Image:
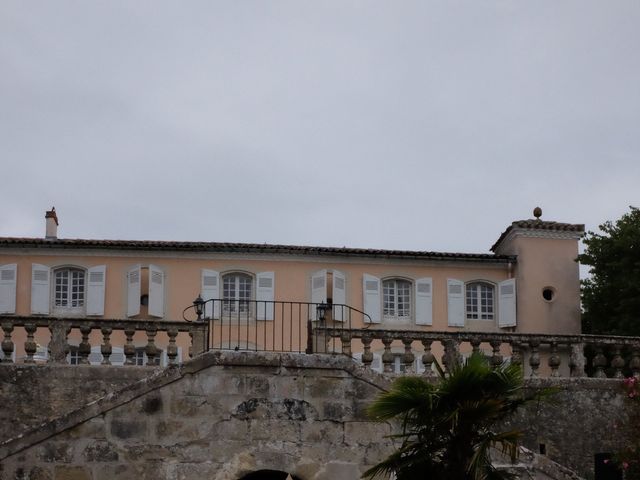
{"points": [[274, 326]]}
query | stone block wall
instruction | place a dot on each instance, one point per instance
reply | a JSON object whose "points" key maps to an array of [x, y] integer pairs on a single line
{"points": [[214, 420], [224, 415]]}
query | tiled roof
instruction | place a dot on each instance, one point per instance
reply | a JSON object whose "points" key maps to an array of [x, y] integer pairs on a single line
{"points": [[534, 224], [218, 247]]}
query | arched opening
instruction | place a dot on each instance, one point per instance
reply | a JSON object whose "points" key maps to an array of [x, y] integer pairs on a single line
{"points": [[269, 475]]}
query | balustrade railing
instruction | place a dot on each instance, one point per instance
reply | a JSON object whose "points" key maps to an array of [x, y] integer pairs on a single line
{"points": [[309, 328], [540, 355], [33, 340]]}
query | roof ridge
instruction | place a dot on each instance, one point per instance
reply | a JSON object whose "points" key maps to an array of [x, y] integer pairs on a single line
{"points": [[234, 246]]}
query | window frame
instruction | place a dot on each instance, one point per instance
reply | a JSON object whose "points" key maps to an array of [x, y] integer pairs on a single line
{"points": [[408, 303], [66, 309], [235, 306], [483, 313]]}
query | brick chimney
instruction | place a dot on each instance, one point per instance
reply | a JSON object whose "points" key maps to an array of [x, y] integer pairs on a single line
{"points": [[52, 224]]}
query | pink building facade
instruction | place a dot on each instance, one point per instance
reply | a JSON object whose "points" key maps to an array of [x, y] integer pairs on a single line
{"points": [[528, 284]]}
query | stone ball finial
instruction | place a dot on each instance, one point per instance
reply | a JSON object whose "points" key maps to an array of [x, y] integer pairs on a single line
{"points": [[537, 212]]}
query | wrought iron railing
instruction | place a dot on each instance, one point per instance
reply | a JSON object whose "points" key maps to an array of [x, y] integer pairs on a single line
{"points": [[275, 326]]}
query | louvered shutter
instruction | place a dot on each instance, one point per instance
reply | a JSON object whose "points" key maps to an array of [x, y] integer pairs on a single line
{"points": [[134, 277], [507, 303], [265, 292], [210, 289], [156, 291], [455, 302], [339, 295], [424, 310], [95, 290], [318, 291], [8, 276], [40, 290], [371, 297]]}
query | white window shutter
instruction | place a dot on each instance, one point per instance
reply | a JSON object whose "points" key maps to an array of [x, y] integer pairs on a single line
{"points": [[156, 291], [507, 303], [318, 291], [134, 278], [424, 303], [339, 295], [265, 292], [371, 297], [95, 290], [455, 302], [40, 290], [8, 277], [210, 289]]}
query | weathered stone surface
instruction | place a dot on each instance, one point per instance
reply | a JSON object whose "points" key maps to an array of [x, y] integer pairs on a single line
{"points": [[32, 394], [228, 413], [55, 452], [71, 473], [100, 451], [128, 429]]}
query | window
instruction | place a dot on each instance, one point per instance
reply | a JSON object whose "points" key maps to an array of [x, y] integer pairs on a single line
{"points": [[396, 298], [480, 304], [237, 293], [69, 289]]}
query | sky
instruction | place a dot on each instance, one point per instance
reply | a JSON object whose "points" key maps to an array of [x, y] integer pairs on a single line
{"points": [[418, 125]]}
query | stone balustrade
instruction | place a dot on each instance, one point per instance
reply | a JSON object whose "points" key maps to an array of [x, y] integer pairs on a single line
{"points": [[110, 331], [540, 355]]}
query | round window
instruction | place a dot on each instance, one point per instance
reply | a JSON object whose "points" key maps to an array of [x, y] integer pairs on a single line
{"points": [[548, 293]]}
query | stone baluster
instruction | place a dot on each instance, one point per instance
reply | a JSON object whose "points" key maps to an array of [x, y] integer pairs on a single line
{"points": [[516, 353], [387, 356], [30, 346], [408, 357], [496, 357], [129, 347], [150, 349], [367, 356], [84, 349], [475, 345], [345, 340], [617, 362], [599, 363], [576, 360], [172, 349], [554, 359], [634, 363], [105, 348], [428, 358], [7, 342], [58, 347], [451, 356], [534, 359]]}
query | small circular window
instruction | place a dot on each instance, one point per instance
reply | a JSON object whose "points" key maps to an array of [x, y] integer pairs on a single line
{"points": [[549, 294]]}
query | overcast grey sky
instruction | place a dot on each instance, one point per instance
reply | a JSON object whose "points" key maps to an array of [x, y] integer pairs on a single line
{"points": [[397, 124]]}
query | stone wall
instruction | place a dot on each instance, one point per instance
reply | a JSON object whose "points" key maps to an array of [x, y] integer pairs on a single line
{"points": [[218, 417], [223, 415], [33, 394], [583, 417]]}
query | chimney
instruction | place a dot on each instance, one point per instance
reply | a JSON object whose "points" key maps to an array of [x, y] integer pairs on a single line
{"points": [[52, 224]]}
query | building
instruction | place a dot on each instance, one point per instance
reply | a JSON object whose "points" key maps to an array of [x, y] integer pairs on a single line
{"points": [[529, 284]]}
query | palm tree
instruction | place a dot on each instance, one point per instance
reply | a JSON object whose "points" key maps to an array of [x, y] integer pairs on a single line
{"points": [[447, 429]]}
